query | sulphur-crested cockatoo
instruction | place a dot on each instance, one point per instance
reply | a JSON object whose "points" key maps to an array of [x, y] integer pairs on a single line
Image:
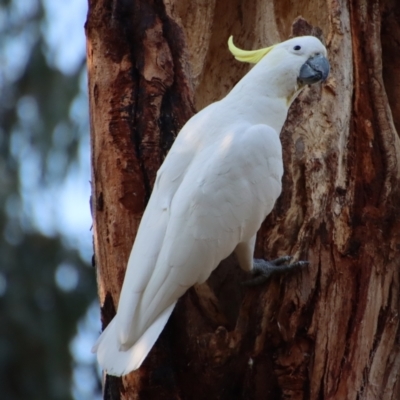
{"points": [[219, 181]]}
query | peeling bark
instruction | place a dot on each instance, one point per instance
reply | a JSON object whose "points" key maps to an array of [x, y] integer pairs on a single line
{"points": [[329, 331]]}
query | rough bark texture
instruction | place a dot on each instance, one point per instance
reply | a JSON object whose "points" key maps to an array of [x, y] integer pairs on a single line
{"points": [[329, 331]]}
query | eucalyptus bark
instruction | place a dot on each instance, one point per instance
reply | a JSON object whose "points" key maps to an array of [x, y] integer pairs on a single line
{"points": [[328, 331]]}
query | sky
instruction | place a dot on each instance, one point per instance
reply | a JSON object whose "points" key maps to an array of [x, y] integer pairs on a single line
{"points": [[70, 213], [62, 206], [65, 37]]}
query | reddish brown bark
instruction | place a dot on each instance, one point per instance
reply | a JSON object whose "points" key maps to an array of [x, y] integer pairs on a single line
{"points": [[329, 331]]}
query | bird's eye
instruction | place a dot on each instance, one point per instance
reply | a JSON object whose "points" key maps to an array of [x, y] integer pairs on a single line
{"points": [[297, 47]]}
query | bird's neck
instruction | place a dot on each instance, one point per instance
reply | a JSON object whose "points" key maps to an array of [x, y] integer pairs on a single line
{"points": [[264, 95]]}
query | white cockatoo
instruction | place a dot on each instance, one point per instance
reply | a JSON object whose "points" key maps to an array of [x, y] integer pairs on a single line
{"points": [[219, 181]]}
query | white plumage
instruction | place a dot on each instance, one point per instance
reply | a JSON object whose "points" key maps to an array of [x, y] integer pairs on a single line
{"points": [[219, 181]]}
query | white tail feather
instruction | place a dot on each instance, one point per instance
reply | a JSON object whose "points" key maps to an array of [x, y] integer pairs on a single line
{"points": [[117, 362]]}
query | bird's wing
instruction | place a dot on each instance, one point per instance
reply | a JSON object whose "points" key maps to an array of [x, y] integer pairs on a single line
{"points": [[116, 352], [225, 195], [147, 246], [150, 238], [151, 233]]}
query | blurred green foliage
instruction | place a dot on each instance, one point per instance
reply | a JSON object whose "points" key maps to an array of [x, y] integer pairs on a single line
{"points": [[45, 285]]}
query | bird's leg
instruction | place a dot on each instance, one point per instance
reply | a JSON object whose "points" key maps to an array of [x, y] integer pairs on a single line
{"points": [[263, 269]]}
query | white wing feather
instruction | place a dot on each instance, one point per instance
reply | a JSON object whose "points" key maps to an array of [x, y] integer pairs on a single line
{"points": [[117, 362], [195, 218]]}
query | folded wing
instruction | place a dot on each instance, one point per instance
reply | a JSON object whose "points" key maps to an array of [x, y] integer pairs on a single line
{"points": [[222, 199]]}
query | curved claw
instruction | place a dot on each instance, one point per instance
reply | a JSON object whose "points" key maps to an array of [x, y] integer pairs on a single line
{"points": [[280, 260], [264, 269]]}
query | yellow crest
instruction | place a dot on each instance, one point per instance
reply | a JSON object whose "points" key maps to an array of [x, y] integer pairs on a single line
{"points": [[250, 56]]}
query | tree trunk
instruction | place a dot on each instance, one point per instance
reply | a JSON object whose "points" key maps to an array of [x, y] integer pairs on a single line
{"points": [[328, 331]]}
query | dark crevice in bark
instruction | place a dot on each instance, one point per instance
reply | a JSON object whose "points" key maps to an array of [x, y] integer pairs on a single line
{"points": [[133, 20], [351, 319], [383, 318], [309, 308], [195, 300], [321, 393], [160, 379], [370, 153], [390, 39], [128, 17], [175, 101], [138, 17], [177, 105], [113, 388], [107, 311], [168, 124], [135, 131]]}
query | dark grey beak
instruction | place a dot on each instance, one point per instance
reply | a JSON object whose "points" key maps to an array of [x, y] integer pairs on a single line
{"points": [[314, 70]]}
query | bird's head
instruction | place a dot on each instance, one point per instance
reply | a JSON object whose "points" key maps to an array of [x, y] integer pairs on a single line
{"points": [[298, 61]]}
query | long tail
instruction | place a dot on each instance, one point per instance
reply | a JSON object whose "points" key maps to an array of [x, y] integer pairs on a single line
{"points": [[116, 362]]}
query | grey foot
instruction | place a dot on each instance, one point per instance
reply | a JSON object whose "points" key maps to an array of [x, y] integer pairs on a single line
{"points": [[263, 269]]}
